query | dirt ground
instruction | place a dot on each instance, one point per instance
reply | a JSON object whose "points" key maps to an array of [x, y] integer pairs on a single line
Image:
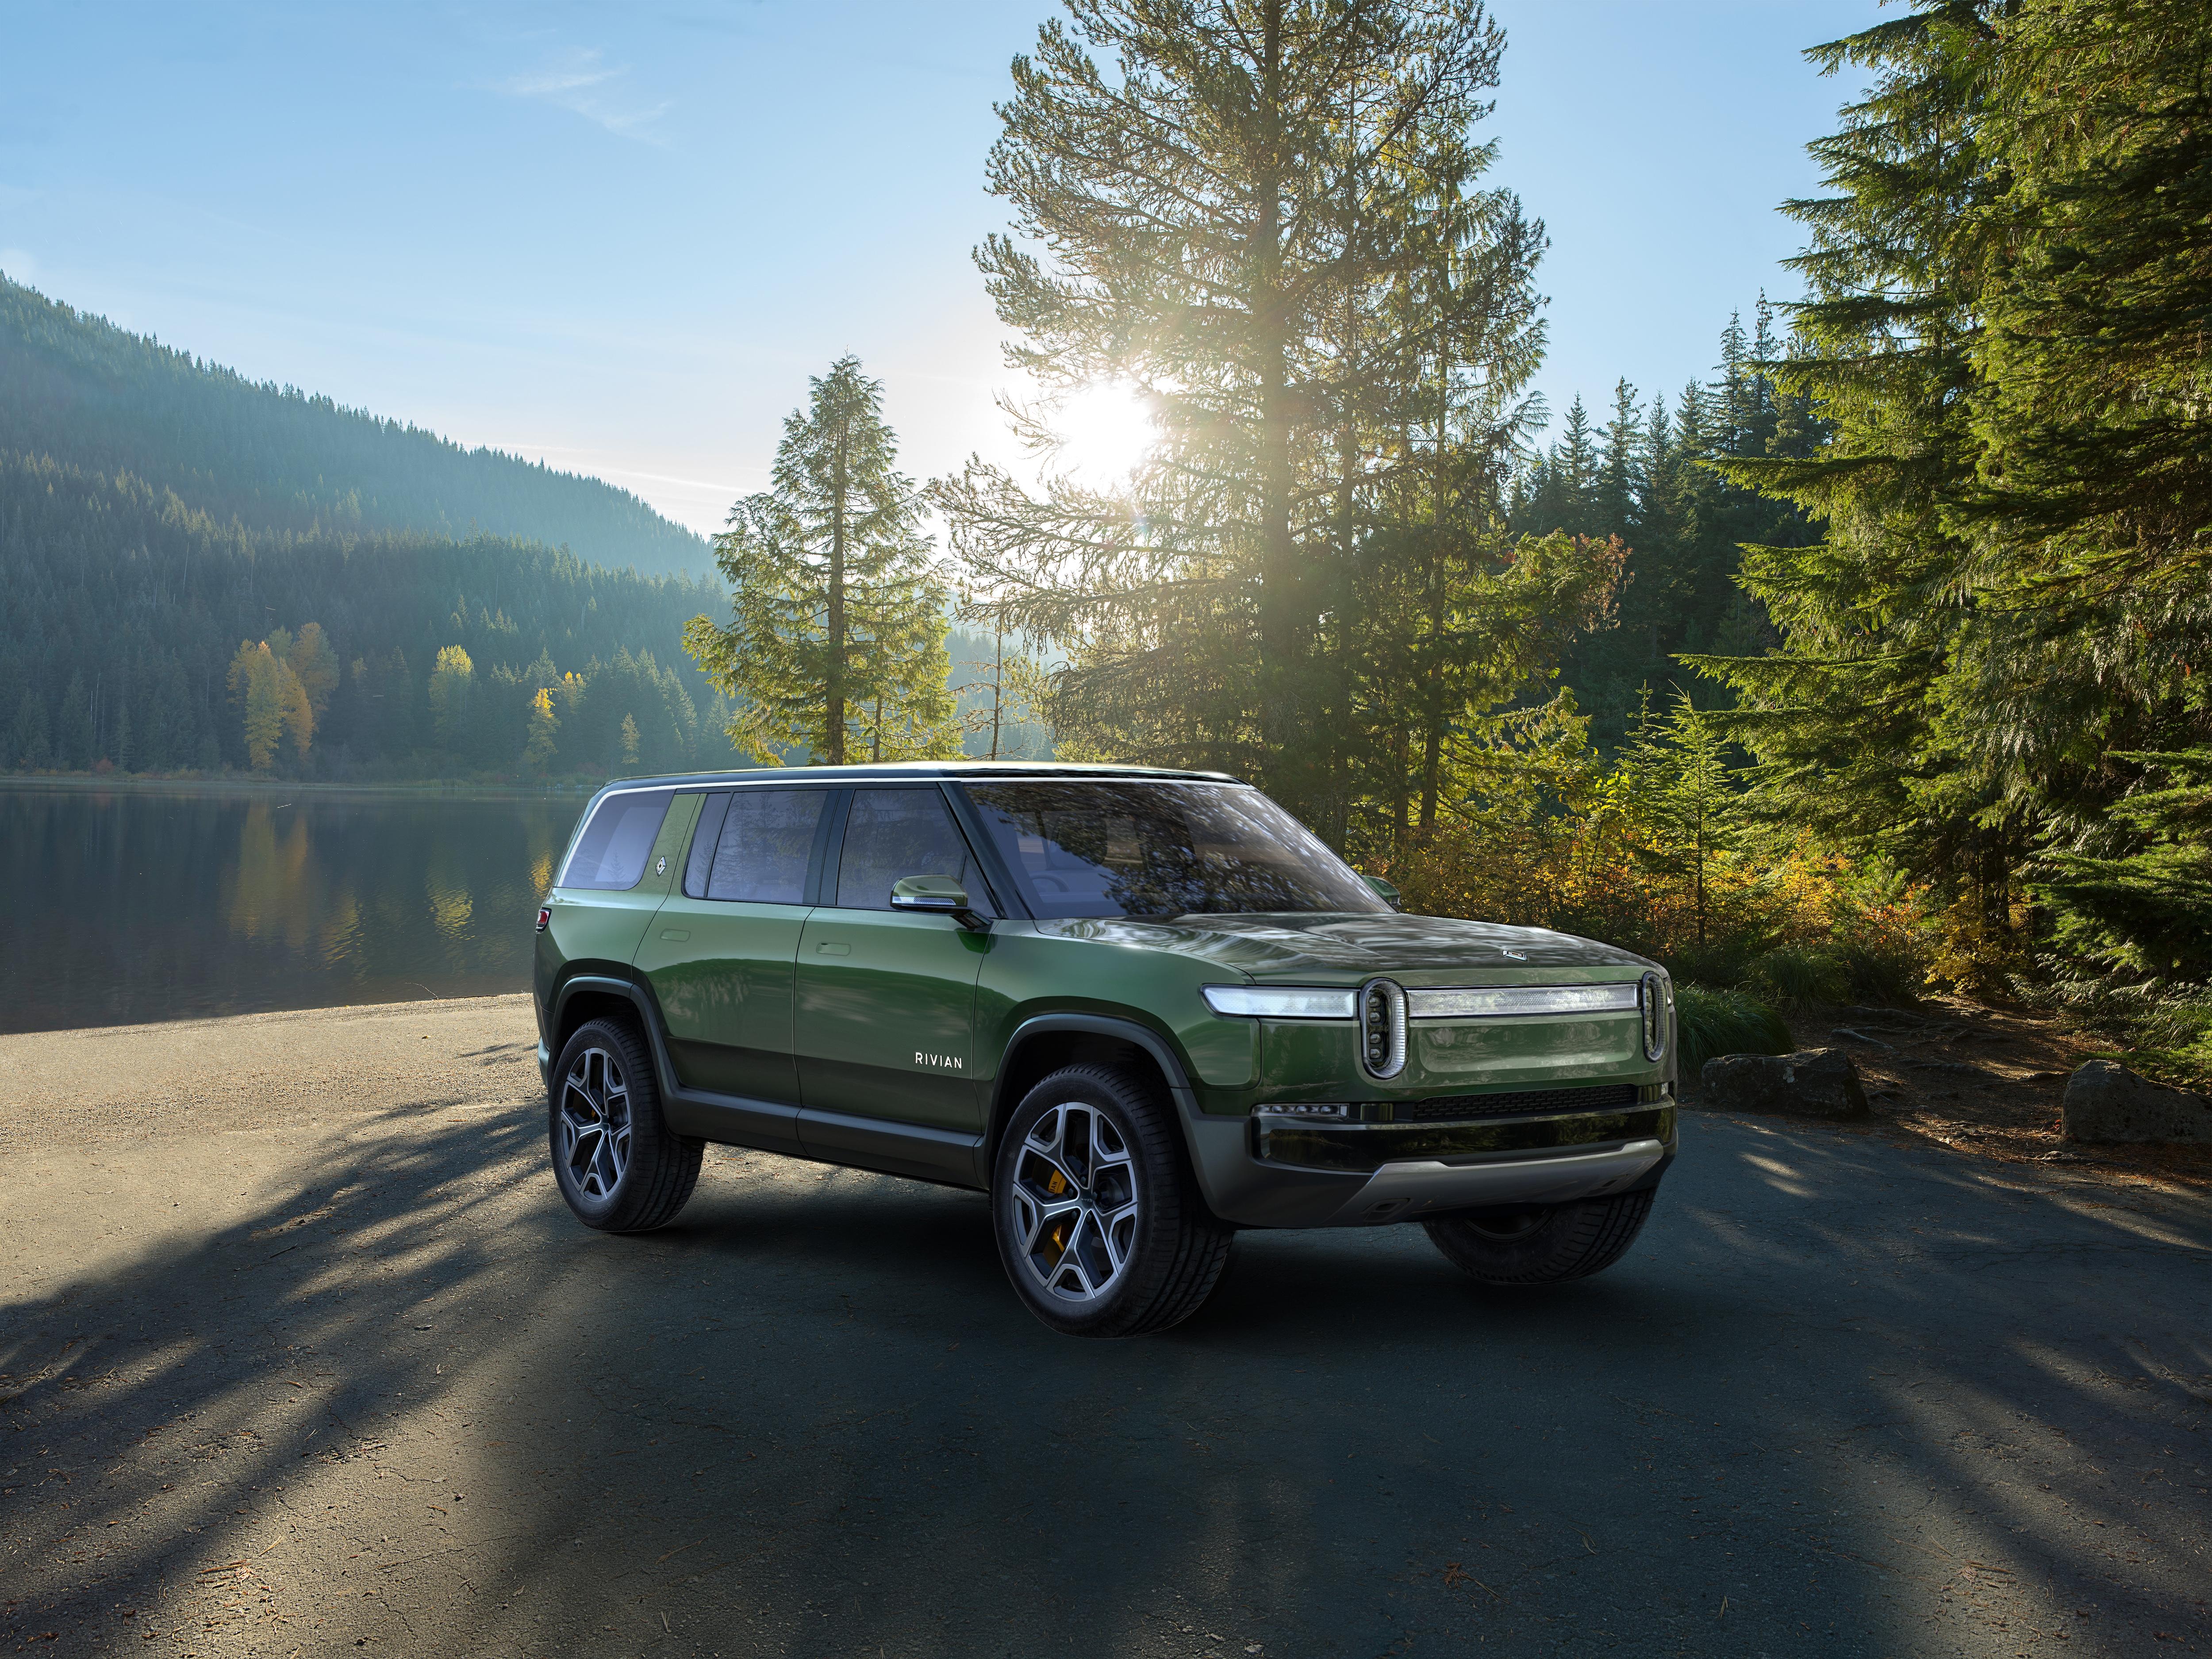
{"points": [[301, 1354], [1983, 1081]]}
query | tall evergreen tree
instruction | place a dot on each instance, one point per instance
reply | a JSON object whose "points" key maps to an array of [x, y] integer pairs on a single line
{"points": [[1267, 216], [836, 638], [2008, 282]]}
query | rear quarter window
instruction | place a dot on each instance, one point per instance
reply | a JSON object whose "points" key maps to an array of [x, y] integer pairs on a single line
{"points": [[610, 852]]}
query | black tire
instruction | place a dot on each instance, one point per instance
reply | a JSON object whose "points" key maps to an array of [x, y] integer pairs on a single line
{"points": [[1545, 1246], [1132, 1222], [614, 1157]]}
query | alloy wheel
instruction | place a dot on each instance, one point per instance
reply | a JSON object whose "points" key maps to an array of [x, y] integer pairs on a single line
{"points": [[1075, 1202], [595, 1123]]}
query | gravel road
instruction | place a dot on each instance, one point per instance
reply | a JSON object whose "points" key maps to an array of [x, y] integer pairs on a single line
{"points": [[303, 1355]]}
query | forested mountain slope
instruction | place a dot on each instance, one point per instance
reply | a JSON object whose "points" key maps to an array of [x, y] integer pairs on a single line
{"points": [[125, 609], [155, 512], [78, 391]]}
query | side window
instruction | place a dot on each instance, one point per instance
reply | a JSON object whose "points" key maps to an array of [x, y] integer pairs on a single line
{"points": [[705, 835], [891, 833], [766, 843], [610, 852]]}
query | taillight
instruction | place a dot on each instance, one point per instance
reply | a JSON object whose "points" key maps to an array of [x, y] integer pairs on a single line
{"points": [[1381, 1028], [544, 916]]}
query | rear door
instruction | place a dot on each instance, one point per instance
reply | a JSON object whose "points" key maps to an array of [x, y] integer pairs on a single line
{"points": [[719, 954], [886, 1001]]}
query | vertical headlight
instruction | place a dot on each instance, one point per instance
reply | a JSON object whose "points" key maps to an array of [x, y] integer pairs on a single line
{"points": [[1381, 1028], [1651, 1006]]}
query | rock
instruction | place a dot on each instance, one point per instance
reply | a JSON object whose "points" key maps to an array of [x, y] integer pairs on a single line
{"points": [[1818, 1082], [1849, 1036], [2105, 1102]]}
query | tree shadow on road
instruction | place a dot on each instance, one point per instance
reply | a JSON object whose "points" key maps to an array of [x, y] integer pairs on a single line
{"points": [[409, 1402]]}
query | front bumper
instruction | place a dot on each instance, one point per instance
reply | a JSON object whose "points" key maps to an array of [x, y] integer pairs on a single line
{"points": [[1259, 1173]]}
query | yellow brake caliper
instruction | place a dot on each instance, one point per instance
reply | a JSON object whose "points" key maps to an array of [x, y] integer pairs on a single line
{"points": [[1056, 1239]]}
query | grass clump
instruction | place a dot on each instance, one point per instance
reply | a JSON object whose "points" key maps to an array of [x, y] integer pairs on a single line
{"points": [[1711, 1023]]}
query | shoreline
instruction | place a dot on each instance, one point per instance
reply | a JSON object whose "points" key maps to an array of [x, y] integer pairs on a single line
{"points": [[140, 783], [275, 1071]]}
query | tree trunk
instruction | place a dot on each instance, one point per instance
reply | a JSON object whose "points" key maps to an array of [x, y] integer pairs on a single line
{"points": [[837, 679], [1281, 711], [998, 692]]}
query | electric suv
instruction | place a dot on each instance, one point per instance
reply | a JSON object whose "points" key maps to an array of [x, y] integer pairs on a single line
{"points": [[1142, 1009]]}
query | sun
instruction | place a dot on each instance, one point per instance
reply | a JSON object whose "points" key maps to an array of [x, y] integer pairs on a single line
{"points": [[1105, 430]]}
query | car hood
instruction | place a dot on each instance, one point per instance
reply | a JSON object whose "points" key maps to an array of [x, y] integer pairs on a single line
{"points": [[1431, 949]]}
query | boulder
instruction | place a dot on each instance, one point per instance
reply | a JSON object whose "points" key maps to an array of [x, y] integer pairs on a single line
{"points": [[2105, 1102], [1816, 1082]]}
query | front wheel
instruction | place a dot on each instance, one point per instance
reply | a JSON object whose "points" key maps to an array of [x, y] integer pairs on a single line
{"points": [[1099, 1222], [1542, 1246], [617, 1164]]}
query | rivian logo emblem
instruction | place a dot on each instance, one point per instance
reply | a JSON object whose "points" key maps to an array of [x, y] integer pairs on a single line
{"points": [[943, 1062]]}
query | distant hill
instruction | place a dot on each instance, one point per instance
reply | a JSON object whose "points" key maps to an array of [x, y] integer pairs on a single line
{"points": [[78, 391], [155, 513]]}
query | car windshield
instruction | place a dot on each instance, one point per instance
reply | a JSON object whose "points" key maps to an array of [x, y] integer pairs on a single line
{"points": [[1098, 848]]}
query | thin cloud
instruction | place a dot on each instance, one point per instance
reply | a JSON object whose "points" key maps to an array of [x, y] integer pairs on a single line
{"points": [[581, 83]]}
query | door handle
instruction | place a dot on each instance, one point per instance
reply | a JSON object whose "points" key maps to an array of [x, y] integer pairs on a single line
{"points": [[829, 949]]}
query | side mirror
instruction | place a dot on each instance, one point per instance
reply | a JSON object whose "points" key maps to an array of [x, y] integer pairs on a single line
{"points": [[1383, 890], [939, 896]]}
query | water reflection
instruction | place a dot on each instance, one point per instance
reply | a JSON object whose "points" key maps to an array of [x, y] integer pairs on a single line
{"points": [[125, 905]]}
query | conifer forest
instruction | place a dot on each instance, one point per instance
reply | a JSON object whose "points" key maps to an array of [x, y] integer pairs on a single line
{"points": [[1859, 664]]}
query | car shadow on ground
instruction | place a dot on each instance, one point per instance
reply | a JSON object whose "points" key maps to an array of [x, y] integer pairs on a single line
{"points": [[1840, 1396]]}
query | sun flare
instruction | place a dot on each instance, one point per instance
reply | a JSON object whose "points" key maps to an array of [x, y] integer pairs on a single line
{"points": [[1105, 430]]}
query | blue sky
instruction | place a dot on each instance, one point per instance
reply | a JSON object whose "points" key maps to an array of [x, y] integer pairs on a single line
{"points": [[619, 238]]}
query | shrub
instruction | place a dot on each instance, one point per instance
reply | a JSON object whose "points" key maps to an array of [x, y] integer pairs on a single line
{"points": [[1713, 1023], [1885, 973], [1796, 976]]}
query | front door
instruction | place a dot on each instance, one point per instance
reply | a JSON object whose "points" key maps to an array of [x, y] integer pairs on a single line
{"points": [[887, 998], [720, 952]]}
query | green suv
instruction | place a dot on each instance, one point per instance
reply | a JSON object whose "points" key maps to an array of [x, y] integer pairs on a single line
{"points": [[1141, 1009]]}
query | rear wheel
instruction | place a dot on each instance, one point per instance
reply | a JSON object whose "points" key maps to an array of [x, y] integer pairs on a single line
{"points": [[1545, 1245], [1099, 1222], [617, 1164]]}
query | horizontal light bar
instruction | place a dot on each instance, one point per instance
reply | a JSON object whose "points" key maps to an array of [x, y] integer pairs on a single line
{"points": [[1506, 1001], [1279, 1001]]}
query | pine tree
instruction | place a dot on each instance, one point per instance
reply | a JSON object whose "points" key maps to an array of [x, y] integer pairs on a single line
{"points": [[453, 685], [73, 738], [837, 636], [1266, 219], [538, 749], [1621, 480], [2145, 911], [2007, 597], [27, 738], [1685, 789], [316, 664]]}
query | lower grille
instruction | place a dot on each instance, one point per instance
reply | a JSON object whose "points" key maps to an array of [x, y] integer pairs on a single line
{"points": [[1527, 1103]]}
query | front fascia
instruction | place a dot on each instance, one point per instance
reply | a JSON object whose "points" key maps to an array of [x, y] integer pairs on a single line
{"points": [[1235, 1063], [1318, 1060]]}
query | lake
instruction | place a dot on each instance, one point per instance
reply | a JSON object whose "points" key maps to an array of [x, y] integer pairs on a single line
{"points": [[131, 904]]}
